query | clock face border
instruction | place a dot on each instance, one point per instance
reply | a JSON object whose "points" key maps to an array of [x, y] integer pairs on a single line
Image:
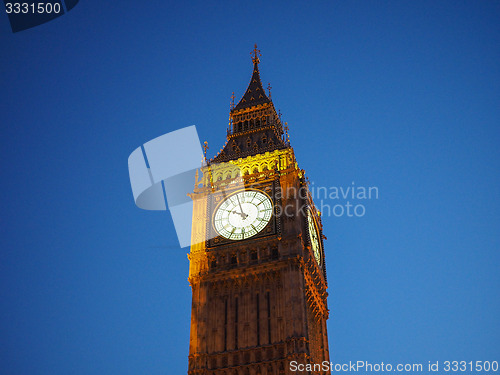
{"points": [[272, 227], [310, 217], [256, 230]]}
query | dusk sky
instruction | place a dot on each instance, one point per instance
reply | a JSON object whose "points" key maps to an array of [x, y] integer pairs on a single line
{"points": [[403, 96]]}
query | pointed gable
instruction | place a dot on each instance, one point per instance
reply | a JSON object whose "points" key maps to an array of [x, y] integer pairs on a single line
{"points": [[255, 93]]}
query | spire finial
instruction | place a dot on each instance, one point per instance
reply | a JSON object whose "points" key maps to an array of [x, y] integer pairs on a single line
{"points": [[269, 89], [286, 133], [232, 101], [255, 55], [205, 149]]}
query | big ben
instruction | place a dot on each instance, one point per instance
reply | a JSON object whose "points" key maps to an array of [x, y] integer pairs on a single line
{"points": [[257, 265]]}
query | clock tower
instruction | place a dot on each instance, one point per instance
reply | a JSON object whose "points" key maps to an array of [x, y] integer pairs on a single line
{"points": [[257, 266]]}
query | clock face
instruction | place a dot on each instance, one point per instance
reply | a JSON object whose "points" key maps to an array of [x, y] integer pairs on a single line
{"points": [[313, 236], [243, 214]]}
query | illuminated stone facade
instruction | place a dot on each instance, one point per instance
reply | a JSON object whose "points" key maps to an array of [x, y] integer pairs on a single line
{"points": [[260, 302]]}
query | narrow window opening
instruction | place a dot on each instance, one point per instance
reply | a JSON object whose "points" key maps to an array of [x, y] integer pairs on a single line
{"points": [[268, 318], [225, 324], [258, 320], [274, 253], [236, 323]]}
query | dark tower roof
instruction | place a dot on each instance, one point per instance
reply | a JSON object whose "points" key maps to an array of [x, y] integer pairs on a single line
{"points": [[255, 125], [255, 93]]}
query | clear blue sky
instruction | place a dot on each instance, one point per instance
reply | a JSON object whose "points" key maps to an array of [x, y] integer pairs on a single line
{"points": [[400, 95]]}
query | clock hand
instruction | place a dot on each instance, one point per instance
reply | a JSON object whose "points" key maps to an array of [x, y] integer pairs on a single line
{"points": [[244, 216], [239, 213]]}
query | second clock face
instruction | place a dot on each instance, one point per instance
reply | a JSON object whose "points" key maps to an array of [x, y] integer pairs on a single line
{"points": [[313, 235], [243, 215]]}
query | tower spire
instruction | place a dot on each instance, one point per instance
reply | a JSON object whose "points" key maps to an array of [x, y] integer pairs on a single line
{"points": [[255, 94], [254, 125]]}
